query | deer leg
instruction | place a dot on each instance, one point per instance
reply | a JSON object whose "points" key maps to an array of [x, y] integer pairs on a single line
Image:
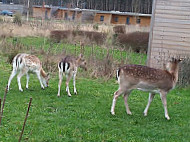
{"points": [[14, 72], [116, 95], [19, 76], [40, 79], [164, 101], [60, 82], [27, 80], [126, 95], [74, 83], [150, 99], [68, 78]]}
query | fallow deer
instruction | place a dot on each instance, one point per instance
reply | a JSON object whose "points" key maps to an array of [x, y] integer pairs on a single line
{"points": [[69, 66], [24, 64], [146, 79]]}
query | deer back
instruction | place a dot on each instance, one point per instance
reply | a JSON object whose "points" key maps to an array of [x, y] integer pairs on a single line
{"points": [[145, 78], [27, 61]]}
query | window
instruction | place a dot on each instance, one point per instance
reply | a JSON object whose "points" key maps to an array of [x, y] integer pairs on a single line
{"points": [[66, 16], [128, 21], [138, 21], [101, 18], [73, 16], [116, 19]]}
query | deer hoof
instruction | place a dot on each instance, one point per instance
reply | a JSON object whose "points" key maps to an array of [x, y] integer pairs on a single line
{"points": [[112, 113], [75, 93], [129, 113], [145, 114], [167, 117]]}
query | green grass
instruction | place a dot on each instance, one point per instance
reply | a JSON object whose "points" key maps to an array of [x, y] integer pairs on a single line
{"points": [[86, 116]]}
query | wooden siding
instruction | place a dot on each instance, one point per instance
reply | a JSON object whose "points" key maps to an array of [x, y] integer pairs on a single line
{"points": [[41, 12], [107, 18], [170, 31], [61, 15], [122, 19]]}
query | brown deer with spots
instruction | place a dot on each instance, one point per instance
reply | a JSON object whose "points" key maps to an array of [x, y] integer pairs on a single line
{"points": [[146, 79], [24, 64]]}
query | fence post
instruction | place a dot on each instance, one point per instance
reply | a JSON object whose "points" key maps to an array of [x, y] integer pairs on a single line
{"points": [[4, 99], [25, 119], [0, 108]]}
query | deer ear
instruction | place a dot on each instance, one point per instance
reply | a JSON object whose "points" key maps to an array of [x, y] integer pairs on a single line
{"points": [[81, 55]]}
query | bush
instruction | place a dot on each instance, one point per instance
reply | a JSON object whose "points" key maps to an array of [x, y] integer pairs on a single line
{"points": [[1, 19], [137, 41], [17, 19], [95, 37], [184, 73], [119, 29], [96, 27]]}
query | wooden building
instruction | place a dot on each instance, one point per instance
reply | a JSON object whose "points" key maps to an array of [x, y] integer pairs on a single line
{"points": [[124, 18], [170, 31], [69, 14], [42, 12], [96, 16], [103, 17]]}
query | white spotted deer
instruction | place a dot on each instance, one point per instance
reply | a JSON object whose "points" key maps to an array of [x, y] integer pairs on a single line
{"points": [[24, 64], [69, 66], [146, 79]]}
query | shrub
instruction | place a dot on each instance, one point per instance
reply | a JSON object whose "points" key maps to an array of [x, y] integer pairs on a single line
{"points": [[119, 29], [96, 27], [1, 19], [137, 41], [95, 37], [17, 19], [184, 73], [58, 35]]}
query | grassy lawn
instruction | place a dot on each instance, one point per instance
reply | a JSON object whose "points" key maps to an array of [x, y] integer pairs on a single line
{"points": [[86, 116]]}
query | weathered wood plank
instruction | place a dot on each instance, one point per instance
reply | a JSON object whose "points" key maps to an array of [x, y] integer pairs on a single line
{"points": [[172, 30], [169, 7], [180, 3], [172, 42], [177, 1], [172, 21], [167, 33], [172, 38], [166, 51], [173, 25], [173, 16], [171, 46], [173, 12]]}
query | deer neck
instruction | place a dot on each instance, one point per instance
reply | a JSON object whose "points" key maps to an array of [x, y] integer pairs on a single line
{"points": [[174, 72], [43, 73], [77, 63]]}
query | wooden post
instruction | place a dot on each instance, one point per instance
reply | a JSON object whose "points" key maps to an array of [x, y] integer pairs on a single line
{"points": [[6, 90], [25, 119], [0, 108]]}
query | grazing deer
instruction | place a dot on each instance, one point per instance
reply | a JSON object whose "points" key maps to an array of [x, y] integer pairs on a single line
{"points": [[146, 79], [68, 66], [24, 64]]}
